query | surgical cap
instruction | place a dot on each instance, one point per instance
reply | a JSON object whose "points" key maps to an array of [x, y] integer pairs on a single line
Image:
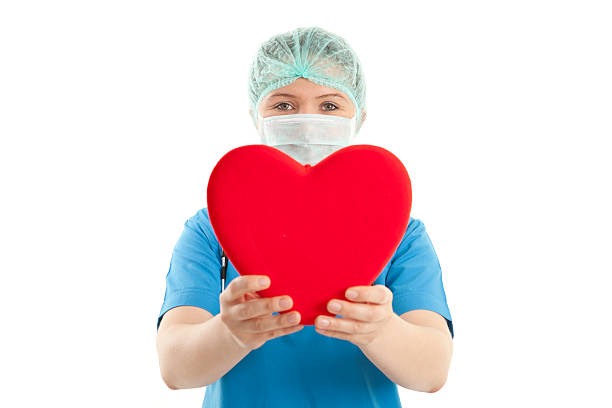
{"points": [[312, 53]]}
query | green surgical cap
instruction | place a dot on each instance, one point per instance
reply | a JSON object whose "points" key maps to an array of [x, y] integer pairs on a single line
{"points": [[312, 53]]}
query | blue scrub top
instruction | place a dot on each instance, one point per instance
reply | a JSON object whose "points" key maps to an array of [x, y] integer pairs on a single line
{"points": [[302, 369]]}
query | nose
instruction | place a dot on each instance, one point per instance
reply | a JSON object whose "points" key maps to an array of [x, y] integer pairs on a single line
{"points": [[306, 110], [310, 106]]}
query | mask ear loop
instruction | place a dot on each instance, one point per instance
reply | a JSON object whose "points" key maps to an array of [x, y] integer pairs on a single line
{"points": [[353, 129], [259, 127]]}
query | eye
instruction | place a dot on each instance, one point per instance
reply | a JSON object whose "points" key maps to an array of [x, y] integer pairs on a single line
{"points": [[282, 104], [331, 105]]}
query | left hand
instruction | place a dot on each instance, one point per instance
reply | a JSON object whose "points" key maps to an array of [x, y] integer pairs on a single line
{"points": [[364, 317]]}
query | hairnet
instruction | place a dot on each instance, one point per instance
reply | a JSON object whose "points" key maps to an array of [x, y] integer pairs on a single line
{"points": [[312, 53]]}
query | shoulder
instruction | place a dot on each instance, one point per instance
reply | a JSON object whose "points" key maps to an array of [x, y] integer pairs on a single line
{"points": [[414, 230], [414, 237], [200, 224], [415, 226], [200, 219]]}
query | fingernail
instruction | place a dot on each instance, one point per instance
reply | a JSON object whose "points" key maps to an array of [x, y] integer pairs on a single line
{"points": [[334, 306], [293, 318], [323, 322], [351, 294], [263, 281], [285, 302]]}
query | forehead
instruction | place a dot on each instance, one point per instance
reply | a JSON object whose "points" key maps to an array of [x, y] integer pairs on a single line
{"points": [[304, 88]]}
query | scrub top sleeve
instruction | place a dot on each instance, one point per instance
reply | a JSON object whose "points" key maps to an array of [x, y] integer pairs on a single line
{"points": [[193, 278], [415, 275]]}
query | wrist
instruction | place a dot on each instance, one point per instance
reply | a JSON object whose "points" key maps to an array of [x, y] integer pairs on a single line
{"points": [[230, 339], [387, 330]]}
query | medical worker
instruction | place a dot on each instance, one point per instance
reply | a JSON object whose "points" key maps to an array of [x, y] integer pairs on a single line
{"points": [[397, 331]]}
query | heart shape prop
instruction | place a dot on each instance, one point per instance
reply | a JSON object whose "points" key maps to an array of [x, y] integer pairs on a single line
{"points": [[314, 230]]}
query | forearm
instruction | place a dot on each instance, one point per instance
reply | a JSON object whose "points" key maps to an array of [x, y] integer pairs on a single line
{"points": [[196, 355], [415, 357]]}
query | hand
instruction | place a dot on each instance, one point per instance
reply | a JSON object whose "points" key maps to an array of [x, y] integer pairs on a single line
{"points": [[364, 317], [248, 316]]}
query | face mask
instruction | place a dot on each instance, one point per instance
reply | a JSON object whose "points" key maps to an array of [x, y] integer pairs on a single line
{"points": [[307, 137]]}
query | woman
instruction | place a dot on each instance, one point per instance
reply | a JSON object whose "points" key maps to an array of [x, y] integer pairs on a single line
{"points": [[396, 331]]}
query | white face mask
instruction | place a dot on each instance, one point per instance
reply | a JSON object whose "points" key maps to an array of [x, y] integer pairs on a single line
{"points": [[307, 137]]}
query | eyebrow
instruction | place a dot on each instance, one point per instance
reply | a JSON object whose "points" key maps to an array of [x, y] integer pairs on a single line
{"points": [[318, 97], [331, 94]]}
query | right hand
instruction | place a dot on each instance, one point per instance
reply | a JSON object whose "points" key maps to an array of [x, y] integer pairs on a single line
{"points": [[248, 316]]}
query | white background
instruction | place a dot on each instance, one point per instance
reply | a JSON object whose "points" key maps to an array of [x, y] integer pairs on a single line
{"points": [[113, 114]]}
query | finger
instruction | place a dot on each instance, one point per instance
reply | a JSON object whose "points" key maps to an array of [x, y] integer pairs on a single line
{"points": [[241, 285], [344, 325], [265, 324], [252, 295], [283, 332], [261, 307], [335, 334], [358, 311], [379, 294]]}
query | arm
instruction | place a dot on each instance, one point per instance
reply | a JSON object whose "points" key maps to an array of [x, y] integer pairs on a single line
{"points": [[194, 348], [414, 350], [423, 343]]}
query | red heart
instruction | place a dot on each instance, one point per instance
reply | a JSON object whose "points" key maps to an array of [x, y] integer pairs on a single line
{"points": [[315, 230]]}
